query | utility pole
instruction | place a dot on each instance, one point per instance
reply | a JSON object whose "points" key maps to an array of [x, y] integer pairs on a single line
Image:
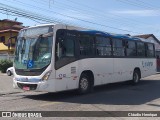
{"points": [[7, 13], [51, 1]]}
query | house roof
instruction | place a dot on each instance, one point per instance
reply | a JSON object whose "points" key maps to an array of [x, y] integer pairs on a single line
{"points": [[17, 27], [7, 20], [2, 31], [145, 36]]}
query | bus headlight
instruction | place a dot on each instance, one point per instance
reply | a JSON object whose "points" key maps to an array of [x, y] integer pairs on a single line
{"points": [[46, 76]]}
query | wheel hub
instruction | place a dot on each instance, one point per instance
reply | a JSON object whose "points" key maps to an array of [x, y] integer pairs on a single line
{"points": [[84, 83]]}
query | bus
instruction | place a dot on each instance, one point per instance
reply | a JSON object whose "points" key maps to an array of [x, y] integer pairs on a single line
{"points": [[59, 57]]}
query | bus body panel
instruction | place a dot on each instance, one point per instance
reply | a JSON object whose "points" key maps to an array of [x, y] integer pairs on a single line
{"points": [[67, 77], [102, 69], [148, 67], [124, 68]]}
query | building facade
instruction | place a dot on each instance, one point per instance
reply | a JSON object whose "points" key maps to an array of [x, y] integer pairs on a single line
{"points": [[8, 31]]}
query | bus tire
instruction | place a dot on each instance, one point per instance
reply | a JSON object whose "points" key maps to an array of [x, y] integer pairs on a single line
{"points": [[136, 77], [84, 84]]}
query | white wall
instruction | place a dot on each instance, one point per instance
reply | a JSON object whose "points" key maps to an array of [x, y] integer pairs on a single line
{"points": [[152, 40]]}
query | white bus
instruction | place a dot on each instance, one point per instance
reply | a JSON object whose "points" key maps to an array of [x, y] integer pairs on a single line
{"points": [[59, 57]]}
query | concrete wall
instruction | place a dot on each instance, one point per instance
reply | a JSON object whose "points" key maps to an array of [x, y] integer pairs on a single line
{"points": [[6, 56]]}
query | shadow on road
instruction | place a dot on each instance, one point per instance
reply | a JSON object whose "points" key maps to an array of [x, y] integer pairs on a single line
{"points": [[113, 94]]}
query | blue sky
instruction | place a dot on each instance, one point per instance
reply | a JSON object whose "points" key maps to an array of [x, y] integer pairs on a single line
{"points": [[116, 16]]}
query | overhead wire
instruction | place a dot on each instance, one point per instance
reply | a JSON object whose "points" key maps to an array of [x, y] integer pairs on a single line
{"points": [[26, 13], [153, 6], [102, 25], [125, 20], [31, 17], [142, 4], [99, 17], [120, 17]]}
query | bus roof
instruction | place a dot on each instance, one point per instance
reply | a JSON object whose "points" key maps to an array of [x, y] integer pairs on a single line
{"points": [[94, 32], [118, 36]]}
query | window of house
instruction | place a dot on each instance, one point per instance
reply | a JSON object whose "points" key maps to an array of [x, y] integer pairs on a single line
{"points": [[2, 39]]}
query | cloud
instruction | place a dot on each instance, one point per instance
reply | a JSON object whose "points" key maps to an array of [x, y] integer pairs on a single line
{"points": [[142, 13]]}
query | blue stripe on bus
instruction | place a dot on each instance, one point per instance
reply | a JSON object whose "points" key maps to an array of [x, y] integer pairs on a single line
{"points": [[95, 32], [118, 36]]}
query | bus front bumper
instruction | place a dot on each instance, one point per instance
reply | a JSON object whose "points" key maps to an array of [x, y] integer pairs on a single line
{"points": [[31, 86]]}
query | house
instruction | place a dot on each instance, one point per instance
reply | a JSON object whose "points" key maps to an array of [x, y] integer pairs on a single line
{"points": [[8, 30]]}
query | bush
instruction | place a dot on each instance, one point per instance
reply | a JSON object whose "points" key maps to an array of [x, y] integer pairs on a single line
{"points": [[4, 64]]}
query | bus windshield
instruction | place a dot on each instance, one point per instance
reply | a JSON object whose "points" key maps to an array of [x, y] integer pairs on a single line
{"points": [[33, 48]]}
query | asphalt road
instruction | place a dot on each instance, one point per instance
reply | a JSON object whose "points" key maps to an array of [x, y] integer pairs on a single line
{"points": [[112, 97]]}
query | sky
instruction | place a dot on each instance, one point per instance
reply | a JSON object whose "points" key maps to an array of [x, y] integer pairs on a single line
{"points": [[132, 17]]}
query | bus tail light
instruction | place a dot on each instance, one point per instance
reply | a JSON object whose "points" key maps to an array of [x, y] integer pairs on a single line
{"points": [[46, 76]]}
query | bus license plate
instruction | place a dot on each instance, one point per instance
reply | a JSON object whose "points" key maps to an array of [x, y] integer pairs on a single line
{"points": [[26, 88]]}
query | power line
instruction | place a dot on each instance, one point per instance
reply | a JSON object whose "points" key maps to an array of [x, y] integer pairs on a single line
{"points": [[153, 6], [39, 17], [35, 7], [142, 4], [49, 20], [104, 26], [100, 14], [124, 18], [133, 3]]}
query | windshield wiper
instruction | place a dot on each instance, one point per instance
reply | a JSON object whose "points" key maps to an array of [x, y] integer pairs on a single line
{"points": [[47, 34]]}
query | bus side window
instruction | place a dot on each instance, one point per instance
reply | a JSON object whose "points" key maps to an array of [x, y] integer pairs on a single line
{"points": [[118, 47], [150, 50], [85, 45], [140, 49], [64, 45], [103, 46], [131, 48], [69, 45]]}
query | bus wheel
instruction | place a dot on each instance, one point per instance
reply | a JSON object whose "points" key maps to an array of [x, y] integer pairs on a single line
{"points": [[84, 84], [136, 77]]}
